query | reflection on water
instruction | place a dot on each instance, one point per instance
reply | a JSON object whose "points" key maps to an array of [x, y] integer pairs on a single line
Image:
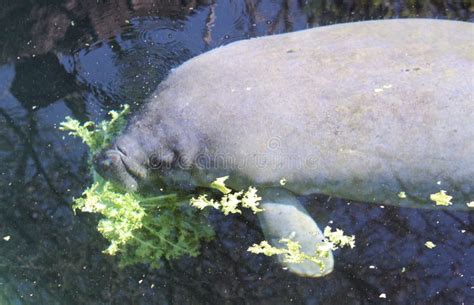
{"points": [[85, 57]]}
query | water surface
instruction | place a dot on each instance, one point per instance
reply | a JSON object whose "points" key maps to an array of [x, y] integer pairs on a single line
{"points": [[84, 58]]}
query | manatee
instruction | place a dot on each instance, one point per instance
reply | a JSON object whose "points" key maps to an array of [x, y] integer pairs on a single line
{"points": [[361, 111]]}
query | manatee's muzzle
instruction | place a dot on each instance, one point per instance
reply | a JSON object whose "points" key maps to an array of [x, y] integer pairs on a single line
{"points": [[114, 165]]}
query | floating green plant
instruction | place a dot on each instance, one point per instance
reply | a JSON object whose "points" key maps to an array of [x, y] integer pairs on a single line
{"points": [[441, 198], [141, 229], [292, 252]]}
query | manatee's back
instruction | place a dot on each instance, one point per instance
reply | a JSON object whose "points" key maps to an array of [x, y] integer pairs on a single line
{"points": [[361, 110]]}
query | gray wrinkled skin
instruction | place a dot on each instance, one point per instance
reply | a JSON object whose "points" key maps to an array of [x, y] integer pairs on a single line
{"points": [[360, 111], [311, 107]]}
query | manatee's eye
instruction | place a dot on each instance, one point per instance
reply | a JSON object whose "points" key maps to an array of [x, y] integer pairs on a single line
{"points": [[155, 162]]}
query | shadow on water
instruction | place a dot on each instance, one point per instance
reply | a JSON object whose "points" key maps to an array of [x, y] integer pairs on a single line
{"points": [[83, 58]]}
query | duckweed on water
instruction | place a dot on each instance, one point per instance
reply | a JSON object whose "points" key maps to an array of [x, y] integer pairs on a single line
{"points": [[441, 198]]}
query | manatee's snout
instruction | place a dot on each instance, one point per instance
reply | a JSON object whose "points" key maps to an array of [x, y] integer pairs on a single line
{"points": [[115, 165]]}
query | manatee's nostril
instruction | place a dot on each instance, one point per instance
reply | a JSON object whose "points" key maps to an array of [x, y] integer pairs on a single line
{"points": [[121, 150], [108, 162], [103, 162]]}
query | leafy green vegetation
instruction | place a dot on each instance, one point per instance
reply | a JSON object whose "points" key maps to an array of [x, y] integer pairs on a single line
{"points": [[230, 202], [337, 239], [292, 252], [140, 229], [97, 136], [441, 198]]}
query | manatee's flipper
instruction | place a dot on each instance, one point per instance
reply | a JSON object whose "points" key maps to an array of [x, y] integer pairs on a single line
{"points": [[285, 217]]}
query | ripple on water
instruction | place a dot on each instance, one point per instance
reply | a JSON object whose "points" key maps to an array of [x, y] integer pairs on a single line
{"points": [[128, 66]]}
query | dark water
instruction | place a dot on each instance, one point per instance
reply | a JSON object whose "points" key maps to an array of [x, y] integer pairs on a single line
{"points": [[85, 57]]}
